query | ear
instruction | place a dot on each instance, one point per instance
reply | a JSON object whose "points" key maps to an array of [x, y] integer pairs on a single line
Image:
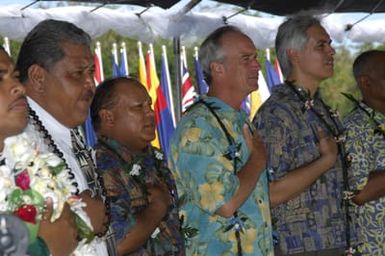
{"points": [[363, 81], [106, 118], [217, 68], [292, 55], [36, 78]]}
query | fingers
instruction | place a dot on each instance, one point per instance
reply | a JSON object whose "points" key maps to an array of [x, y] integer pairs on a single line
{"points": [[48, 209], [321, 133]]}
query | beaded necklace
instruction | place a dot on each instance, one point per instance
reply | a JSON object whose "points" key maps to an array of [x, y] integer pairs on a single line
{"points": [[47, 138]]}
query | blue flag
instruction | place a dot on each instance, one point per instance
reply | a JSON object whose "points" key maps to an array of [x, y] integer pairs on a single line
{"points": [[166, 124], [272, 76], [202, 85], [89, 132]]}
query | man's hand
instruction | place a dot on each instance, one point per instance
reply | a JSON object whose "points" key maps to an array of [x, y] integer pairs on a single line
{"points": [[60, 235], [96, 210], [327, 147], [159, 195]]}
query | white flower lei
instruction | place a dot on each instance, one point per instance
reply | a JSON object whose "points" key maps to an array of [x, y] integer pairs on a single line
{"points": [[58, 187]]}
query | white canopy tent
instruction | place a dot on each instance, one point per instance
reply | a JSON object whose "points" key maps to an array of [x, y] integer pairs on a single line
{"points": [[156, 22]]}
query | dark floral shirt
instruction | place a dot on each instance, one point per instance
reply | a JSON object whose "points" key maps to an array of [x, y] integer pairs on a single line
{"points": [[125, 176], [314, 220]]}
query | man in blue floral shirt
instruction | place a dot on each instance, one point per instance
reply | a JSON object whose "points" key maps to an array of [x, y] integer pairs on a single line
{"points": [[365, 143], [217, 162], [141, 189], [305, 164]]}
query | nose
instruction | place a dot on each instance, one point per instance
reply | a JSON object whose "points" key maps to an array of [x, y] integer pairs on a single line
{"points": [[17, 88], [255, 64], [331, 50], [89, 81]]}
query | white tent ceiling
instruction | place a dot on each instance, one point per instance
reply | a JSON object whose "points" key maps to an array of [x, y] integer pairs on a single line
{"points": [[156, 22]]}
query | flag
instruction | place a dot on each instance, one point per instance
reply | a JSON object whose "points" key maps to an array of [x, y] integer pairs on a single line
{"points": [[152, 85], [142, 67], [7, 46], [115, 65], [202, 85], [123, 66], [98, 78], [188, 90], [277, 68], [165, 80], [164, 118], [259, 96], [272, 76]]}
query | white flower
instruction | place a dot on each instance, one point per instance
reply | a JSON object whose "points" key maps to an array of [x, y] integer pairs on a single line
{"points": [[84, 249], [155, 233], [135, 171], [158, 155]]}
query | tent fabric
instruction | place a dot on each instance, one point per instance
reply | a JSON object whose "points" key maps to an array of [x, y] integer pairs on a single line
{"points": [[159, 23], [285, 7], [147, 3]]}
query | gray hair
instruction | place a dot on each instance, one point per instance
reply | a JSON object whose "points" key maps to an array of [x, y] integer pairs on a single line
{"points": [[211, 49], [44, 45], [292, 35]]}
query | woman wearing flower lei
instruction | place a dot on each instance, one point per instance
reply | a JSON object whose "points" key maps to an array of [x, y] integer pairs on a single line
{"points": [[13, 116], [365, 144], [142, 192]]}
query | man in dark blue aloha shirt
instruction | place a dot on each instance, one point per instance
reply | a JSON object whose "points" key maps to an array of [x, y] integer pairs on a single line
{"points": [[299, 130]]}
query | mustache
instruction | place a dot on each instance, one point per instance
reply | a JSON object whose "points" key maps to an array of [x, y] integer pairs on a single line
{"points": [[89, 95]]}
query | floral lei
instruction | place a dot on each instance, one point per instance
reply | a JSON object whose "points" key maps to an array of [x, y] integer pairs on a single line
{"points": [[33, 178]]}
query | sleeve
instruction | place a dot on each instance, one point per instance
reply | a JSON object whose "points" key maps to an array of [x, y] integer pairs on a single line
{"points": [[272, 125], [203, 175], [361, 157]]}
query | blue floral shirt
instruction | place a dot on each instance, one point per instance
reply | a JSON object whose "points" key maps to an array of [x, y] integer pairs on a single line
{"points": [[314, 220], [125, 176], [367, 152], [205, 177]]}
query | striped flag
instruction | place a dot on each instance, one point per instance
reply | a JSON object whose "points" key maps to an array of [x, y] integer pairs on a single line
{"points": [[188, 90], [165, 80], [163, 114]]}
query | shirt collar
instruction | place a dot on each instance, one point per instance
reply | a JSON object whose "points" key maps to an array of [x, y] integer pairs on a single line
{"points": [[57, 130]]}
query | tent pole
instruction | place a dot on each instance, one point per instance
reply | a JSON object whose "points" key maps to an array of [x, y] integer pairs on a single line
{"points": [[178, 78]]}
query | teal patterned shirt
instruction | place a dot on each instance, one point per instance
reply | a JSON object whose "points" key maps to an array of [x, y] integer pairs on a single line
{"points": [[205, 178], [367, 151]]}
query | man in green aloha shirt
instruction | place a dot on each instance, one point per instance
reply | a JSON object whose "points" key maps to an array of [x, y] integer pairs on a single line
{"points": [[218, 164], [365, 143]]}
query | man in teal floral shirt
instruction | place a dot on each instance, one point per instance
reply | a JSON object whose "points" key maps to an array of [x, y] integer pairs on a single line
{"points": [[217, 162], [141, 189], [365, 143]]}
